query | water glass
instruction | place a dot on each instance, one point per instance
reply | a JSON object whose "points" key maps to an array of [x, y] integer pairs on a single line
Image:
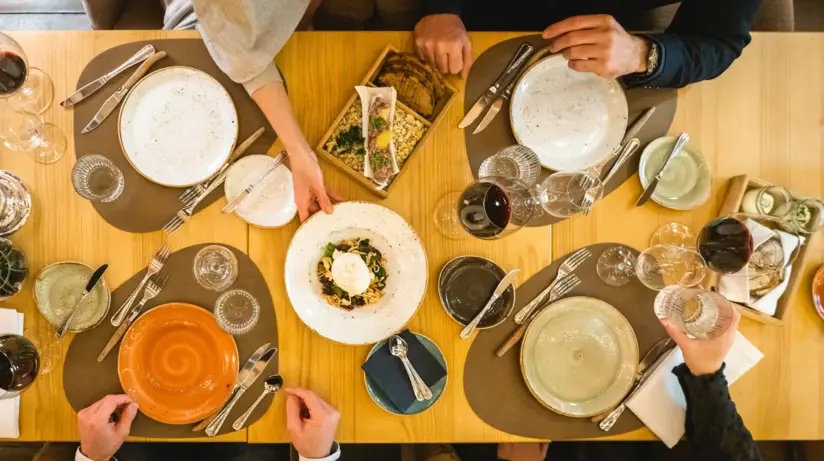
{"points": [[516, 162], [237, 312], [96, 178], [663, 265], [567, 193], [15, 203], [697, 312], [215, 267]]}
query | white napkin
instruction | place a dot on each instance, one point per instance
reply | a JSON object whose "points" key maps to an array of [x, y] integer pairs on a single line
{"points": [[10, 322], [660, 402]]}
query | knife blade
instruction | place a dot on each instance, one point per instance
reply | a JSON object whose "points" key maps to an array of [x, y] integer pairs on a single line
{"points": [[517, 60], [112, 102], [504, 284], [679, 144], [95, 85], [96, 276], [239, 198], [638, 124]]}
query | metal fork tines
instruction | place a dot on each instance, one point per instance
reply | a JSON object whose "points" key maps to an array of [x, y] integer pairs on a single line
{"points": [[567, 267], [179, 220], [155, 265]]}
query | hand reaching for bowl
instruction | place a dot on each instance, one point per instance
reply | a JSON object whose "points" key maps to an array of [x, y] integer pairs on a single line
{"points": [[102, 430]]}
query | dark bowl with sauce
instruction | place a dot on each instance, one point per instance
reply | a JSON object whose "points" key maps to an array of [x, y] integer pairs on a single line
{"points": [[466, 283]]}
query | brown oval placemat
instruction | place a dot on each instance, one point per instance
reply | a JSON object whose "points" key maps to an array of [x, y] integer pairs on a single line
{"points": [[495, 387], [145, 206], [498, 134], [85, 381]]}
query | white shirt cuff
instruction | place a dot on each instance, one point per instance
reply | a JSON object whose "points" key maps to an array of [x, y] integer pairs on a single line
{"points": [[331, 457], [80, 457], [270, 74]]}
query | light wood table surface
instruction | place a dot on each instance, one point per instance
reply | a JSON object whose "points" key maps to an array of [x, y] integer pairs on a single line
{"points": [[763, 117]]}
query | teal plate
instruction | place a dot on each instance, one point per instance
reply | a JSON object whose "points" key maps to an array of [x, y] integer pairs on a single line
{"points": [[379, 397]]}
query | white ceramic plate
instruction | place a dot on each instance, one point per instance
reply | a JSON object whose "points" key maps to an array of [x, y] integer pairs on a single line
{"points": [[571, 119], [687, 180], [178, 126], [578, 357], [272, 202], [405, 264]]}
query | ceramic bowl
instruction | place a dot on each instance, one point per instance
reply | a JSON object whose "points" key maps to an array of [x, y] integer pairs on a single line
{"points": [[465, 285], [687, 181]]}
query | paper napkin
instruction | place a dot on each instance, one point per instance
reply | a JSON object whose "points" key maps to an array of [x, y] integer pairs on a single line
{"points": [[10, 322]]}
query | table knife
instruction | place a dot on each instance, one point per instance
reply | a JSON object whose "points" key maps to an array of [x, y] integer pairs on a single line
{"points": [[214, 427], [504, 285], [679, 144], [96, 276], [145, 53], [500, 100], [519, 58], [239, 198], [113, 101], [241, 378]]}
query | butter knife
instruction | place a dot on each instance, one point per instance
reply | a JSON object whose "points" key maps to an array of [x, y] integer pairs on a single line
{"points": [[679, 144], [498, 103], [504, 285], [519, 58], [239, 198], [214, 427], [96, 276], [108, 107], [83, 93]]}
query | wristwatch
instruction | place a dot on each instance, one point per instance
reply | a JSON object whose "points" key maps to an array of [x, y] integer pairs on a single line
{"points": [[653, 57]]}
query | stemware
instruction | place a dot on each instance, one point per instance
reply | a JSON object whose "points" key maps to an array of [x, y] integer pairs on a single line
{"points": [[15, 203], [697, 312], [664, 265], [19, 365], [675, 234], [30, 87], [616, 265], [517, 162], [567, 193], [96, 178], [49, 347], [726, 244], [24, 131], [215, 267]]}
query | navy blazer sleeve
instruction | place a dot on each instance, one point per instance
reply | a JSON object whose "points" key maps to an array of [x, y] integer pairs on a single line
{"points": [[705, 37]]}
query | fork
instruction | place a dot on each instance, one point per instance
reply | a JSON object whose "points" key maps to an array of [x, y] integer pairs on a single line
{"points": [[562, 289], [187, 211], [157, 262], [153, 288], [567, 267]]}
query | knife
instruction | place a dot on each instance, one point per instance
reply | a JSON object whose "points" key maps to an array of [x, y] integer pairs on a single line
{"points": [[96, 276], [517, 60], [629, 148], [637, 125], [214, 427], [238, 199], [95, 85], [111, 103], [241, 378], [498, 103], [679, 144], [505, 283]]}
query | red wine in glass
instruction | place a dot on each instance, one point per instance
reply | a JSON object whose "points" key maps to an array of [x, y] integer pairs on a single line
{"points": [[485, 210], [13, 73], [19, 365], [725, 244]]}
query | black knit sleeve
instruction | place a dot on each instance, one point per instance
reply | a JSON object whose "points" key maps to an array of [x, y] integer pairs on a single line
{"points": [[713, 426]]}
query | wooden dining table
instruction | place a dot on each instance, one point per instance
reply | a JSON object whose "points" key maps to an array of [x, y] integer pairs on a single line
{"points": [[763, 117]]}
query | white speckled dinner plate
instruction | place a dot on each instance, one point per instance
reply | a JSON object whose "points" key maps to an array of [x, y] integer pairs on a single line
{"points": [[178, 126], [272, 202], [406, 266], [578, 357], [571, 119]]}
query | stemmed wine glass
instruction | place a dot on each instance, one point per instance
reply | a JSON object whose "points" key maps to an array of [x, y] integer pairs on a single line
{"points": [[567, 193], [726, 244], [24, 131], [673, 233], [660, 266], [31, 88]]}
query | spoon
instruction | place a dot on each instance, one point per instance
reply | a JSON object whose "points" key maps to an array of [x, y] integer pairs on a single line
{"points": [[398, 348], [271, 386]]}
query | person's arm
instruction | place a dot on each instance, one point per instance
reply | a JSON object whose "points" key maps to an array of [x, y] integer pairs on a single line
{"points": [[704, 39], [311, 423], [101, 433]]}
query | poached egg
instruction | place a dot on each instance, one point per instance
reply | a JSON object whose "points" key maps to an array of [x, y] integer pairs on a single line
{"points": [[350, 273]]}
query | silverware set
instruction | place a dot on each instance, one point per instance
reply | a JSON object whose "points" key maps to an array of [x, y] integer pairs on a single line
{"points": [[272, 385], [239, 198], [567, 268], [155, 265], [95, 85], [398, 348]]}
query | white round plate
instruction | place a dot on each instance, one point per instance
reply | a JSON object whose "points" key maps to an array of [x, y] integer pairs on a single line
{"points": [[405, 264], [687, 180], [178, 126], [571, 119], [578, 357], [272, 202]]}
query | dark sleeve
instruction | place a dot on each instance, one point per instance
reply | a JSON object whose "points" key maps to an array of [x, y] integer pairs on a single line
{"points": [[442, 7], [713, 426], [705, 37]]}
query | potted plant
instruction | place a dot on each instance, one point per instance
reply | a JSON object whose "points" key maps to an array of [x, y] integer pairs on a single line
{"points": [[14, 269]]}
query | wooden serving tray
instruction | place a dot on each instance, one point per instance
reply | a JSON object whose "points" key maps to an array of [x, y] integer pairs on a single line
{"points": [[368, 80]]}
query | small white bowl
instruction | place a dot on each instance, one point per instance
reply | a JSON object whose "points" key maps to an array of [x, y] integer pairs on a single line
{"points": [[687, 180], [271, 203]]}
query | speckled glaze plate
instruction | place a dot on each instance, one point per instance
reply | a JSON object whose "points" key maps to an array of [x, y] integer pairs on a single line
{"points": [[406, 267], [578, 357], [686, 183], [272, 202], [571, 119], [59, 286], [178, 126]]}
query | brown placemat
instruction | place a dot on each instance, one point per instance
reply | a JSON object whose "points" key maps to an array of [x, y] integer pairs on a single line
{"points": [[498, 134], [495, 387], [145, 206], [85, 381]]}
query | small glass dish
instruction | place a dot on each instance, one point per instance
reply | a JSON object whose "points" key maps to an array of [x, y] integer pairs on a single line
{"points": [[237, 312]]}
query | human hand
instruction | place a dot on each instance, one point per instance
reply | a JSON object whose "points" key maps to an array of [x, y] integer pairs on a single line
{"points": [[100, 435], [311, 193], [442, 41], [597, 43], [522, 451], [311, 423], [704, 356]]}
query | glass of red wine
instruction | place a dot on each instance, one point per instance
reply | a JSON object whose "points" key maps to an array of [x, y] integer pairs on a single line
{"points": [[30, 88], [726, 244], [19, 365]]}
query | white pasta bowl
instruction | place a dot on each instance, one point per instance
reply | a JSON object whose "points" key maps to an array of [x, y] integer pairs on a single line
{"points": [[405, 264]]}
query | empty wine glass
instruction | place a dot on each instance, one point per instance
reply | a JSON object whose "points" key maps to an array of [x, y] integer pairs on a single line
{"points": [[31, 88], [96, 178], [49, 347], [517, 162], [215, 267], [673, 233], [697, 312], [616, 265], [237, 312], [15, 203], [567, 193], [664, 265], [447, 219], [23, 131]]}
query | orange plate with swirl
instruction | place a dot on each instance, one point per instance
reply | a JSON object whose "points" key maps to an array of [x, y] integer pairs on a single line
{"points": [[177, 364]]}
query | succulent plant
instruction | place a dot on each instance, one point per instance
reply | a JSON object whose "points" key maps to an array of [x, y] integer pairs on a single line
{"points": [[14, 269]]}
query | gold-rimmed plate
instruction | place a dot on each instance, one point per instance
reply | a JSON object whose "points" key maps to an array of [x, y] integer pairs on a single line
{"points": [[178, 126], [578, 357]]}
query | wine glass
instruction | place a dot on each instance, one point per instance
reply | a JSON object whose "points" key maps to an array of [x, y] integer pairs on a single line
{"points": [[19, 365], [697, 312], [215, 267], [673, 233], [567, 193], [517, 162], [23, 131], [447, 219], [726, 244], [663, 265], [616, 265], [50, 349], [30, 87]]}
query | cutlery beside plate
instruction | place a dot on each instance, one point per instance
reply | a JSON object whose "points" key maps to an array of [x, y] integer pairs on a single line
{"points": [[88, 89]]}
